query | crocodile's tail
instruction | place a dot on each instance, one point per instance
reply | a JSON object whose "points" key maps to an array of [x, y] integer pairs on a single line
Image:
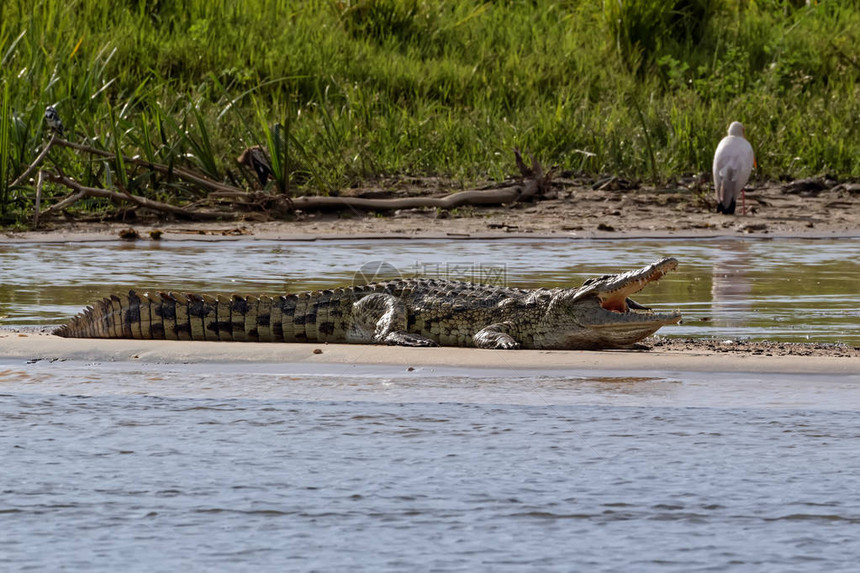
{"points": [[175, 316]]}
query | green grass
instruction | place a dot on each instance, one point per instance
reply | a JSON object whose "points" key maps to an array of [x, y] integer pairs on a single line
{"points": [[643, 89]]}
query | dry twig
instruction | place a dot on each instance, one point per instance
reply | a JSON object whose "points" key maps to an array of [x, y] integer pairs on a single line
{"points": [[185, 174], [82, 191], [36, 162]]}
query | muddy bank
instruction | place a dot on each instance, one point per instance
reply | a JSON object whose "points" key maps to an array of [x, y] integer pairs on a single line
{"points": [[736, 347], [573, 209]]}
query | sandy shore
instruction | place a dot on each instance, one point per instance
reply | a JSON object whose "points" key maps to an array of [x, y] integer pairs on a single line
{"points": [[659, 354]]}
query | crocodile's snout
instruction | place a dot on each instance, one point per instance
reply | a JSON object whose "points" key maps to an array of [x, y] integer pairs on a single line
{"points": [[615, 292]]}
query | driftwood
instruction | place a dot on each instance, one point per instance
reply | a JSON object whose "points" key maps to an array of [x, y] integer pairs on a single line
{"points": [[510, 194], [82, 191], [534, 182], [35, 165], [196, 178]]}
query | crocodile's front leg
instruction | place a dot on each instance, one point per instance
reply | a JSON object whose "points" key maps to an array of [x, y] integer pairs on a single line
{"points": [[496, 336], [381, 319]]}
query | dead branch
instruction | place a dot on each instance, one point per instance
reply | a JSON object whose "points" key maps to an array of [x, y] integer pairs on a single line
{"points": [[67, 202], [524, 171], [38, 161], [505, 195], [189, 176], [39, 179], [81, 192], [258, 198], [535, 182]]}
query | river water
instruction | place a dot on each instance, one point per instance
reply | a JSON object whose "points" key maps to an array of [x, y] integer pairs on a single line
{"points": [[785, 289], [136, 467], [127, 466]]}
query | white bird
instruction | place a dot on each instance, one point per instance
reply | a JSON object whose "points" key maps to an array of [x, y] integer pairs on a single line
{"points": [[733, 163], [53, 120]]}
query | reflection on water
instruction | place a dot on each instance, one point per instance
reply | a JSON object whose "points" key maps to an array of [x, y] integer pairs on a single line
{"points": [[731, 287], [394, 384], [785, 289]]}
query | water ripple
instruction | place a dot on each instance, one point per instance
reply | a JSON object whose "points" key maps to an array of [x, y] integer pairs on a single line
{"points": [[107, 482]]}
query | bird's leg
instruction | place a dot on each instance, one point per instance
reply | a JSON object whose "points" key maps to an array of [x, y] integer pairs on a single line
{"points": [[743, 202]]}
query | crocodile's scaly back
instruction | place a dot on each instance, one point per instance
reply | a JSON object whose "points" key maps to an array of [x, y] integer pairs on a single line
{"points": [[176, 316], [315, 316], [413, 312]]}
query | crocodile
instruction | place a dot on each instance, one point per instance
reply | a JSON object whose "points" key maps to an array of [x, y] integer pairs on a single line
{"points": [[407, 312]]}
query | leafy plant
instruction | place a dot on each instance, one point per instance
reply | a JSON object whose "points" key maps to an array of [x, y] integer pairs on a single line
{"points": [[5, 148], [370, 88]]}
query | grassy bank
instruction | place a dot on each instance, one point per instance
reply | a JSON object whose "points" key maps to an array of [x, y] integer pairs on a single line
{"points": [[366, 88]]}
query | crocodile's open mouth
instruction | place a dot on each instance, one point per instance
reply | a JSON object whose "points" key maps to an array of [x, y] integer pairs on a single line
{"points": [[631, 316], [614, 293], [617, 311]]}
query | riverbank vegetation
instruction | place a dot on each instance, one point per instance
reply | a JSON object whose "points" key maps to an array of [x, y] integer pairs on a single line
{"points": [[343, 92]]}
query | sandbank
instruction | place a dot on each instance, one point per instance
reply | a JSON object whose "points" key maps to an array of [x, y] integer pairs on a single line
{"points": [[695, 358]]}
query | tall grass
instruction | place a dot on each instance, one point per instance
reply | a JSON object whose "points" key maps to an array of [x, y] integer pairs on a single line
{"points": [[423, 87], [5, 150]]}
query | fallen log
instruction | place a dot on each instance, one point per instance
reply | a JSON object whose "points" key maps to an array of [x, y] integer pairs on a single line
{"points": [[536, 182], [501, 196]]}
